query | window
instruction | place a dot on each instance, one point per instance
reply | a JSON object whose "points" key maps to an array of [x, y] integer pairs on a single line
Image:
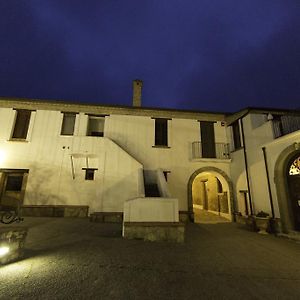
{"points": [[219, 186], [14, 182], [68, 124], [89, 173], [166, 174], [161, 132], [295, 167], [21, 124], [236, 135], [95, 125]]}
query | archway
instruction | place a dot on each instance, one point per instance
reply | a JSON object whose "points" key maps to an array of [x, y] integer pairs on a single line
{"points": [[210, 189], [287, 188], [293, 175]]}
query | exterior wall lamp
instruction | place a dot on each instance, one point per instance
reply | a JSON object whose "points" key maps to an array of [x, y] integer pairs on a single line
{"points": [[3, 250]]}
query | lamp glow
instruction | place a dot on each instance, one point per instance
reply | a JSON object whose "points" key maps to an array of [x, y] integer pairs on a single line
{"points": [[3, 251]]}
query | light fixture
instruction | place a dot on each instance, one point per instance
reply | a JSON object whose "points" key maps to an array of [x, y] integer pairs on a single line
{"points": [[3, 250]]}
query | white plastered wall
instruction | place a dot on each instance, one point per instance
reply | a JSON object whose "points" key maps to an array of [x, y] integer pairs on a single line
{"points": [[259, 133], [47, 155], [136, 135]]}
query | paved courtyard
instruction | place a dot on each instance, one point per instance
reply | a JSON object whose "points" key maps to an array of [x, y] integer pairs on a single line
{"points": [[76, 259]]}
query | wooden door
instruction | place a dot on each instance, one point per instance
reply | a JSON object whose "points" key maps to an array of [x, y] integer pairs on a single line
{"points": [[294, 189], [208, 139]]}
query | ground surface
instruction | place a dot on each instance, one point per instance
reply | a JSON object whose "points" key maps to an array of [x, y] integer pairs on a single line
{"points": [[76, 259]]}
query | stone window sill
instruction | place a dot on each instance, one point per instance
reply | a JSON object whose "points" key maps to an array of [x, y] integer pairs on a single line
{"points": [[161, 146]]}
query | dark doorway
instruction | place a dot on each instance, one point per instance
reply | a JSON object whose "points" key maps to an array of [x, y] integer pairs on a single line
{"points": [[208, 139], [294, 189]]}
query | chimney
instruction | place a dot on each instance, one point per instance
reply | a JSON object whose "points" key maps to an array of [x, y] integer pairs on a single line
{"points": [[137, 93]]}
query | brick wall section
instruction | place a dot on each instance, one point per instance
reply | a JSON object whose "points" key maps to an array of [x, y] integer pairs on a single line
{"points": [[74, 211], [107, 217]]}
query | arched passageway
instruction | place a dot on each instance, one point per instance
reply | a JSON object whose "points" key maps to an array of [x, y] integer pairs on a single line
{"points": [[210, 193], [293, 180], [287, 181]]}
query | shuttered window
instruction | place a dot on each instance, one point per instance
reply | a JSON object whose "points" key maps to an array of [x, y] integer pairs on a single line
{"points": [[21, 124], [161, 132], [236, 135]]}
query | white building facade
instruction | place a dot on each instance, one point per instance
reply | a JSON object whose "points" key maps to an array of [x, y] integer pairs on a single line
{"points": [[64, 159]]}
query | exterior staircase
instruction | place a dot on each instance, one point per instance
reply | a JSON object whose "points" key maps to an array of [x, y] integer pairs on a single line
{"points": [[151, 190]]}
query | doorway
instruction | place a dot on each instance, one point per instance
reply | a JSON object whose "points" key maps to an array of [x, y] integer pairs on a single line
{"points": [[293, 179], [209, 195]]}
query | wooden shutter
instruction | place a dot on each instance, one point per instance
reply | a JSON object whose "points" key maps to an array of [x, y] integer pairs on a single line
{"points": [[208, 139], [21, 124], [236, 135]]}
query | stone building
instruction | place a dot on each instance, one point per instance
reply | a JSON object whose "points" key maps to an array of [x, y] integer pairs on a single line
{"points": [[160, 165]]}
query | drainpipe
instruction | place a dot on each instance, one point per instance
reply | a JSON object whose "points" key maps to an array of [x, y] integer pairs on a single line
{"points": [[268, 180], [246, 167]]}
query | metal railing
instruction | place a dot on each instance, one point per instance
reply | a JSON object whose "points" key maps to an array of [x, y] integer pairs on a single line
{"points": [[220, 151], [283, 125]]}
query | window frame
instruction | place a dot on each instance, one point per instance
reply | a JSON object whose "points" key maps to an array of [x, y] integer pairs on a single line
{"points": [[236, 135], [18, 125], [63, 123], [161, 133], [208, 140], [96, 117]]}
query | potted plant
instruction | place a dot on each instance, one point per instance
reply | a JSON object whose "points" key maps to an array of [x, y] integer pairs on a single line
{"points": [[247, 221], [262, 221]]}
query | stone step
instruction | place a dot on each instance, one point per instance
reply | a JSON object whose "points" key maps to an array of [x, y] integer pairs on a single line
{"points": [[151, 190], [106, 217]]}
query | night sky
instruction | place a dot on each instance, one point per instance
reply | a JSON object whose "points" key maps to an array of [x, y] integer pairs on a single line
{"points": [[211, 55]]}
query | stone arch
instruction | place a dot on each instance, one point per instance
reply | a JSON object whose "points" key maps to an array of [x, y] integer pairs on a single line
{"points": [[220, 174], [281, 183]]}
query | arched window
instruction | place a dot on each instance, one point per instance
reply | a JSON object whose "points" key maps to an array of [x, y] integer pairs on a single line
{"points": [[295, 167]]}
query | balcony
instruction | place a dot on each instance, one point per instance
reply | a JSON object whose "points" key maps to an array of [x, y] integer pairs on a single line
{"points": [[216, 150], [283, 125]]}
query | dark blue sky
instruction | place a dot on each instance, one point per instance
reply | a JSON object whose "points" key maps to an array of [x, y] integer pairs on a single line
{"points": [[191, 54]]}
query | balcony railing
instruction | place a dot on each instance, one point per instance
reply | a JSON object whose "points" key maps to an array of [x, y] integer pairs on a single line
{"points": [[283, 125], [219, 151]]}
